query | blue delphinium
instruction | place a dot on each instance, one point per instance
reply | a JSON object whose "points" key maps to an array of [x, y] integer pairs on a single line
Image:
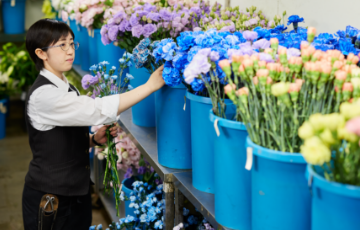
{"points": [[295, 19]]}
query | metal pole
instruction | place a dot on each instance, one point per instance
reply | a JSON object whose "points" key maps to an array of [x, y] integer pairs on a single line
{"points": [[169, 205], [179, 206]]}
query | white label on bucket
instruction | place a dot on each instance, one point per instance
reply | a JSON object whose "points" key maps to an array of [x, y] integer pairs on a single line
{"points": [[184, 103], [249, 158], [12, 3], [120, 188], [3, 109], [217, 128]]}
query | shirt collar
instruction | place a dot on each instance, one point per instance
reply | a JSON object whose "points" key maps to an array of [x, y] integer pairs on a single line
{"points": [[63, 85]]}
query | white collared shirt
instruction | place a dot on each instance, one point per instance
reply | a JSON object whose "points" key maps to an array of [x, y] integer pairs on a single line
{"points": [[51, 106]]}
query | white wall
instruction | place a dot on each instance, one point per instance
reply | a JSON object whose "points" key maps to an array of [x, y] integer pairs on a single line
{"points": [[326, 15]]}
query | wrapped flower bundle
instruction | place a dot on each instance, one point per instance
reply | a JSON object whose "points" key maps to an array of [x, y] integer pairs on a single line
{"points": [[332, 142], [281, 94], [104, 84]]}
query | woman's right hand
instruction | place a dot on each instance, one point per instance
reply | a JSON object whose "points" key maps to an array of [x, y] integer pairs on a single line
{"points": [[156, 80]]}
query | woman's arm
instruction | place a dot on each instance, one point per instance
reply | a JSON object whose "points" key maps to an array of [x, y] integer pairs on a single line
{"points": [[58, 108]]}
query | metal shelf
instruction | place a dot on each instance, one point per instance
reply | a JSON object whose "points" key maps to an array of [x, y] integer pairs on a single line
{"points": [[12, 37], [203, 202]]}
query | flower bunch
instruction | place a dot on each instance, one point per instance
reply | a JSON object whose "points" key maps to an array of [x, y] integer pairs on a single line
{"points": [[233, 19], [103, 84], [94, 14], [280, 94], [150, 21], [332, 142], [128, 154], [148, 207]]}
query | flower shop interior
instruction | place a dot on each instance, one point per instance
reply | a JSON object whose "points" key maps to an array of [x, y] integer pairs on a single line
{"points": [[253, 122]]}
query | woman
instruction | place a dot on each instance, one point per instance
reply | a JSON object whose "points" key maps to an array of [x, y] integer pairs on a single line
{"points": [[57, 118]]}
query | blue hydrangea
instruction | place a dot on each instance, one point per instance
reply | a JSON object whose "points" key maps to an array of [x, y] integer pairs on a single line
{"points": [[198, 85], [158, 224]]}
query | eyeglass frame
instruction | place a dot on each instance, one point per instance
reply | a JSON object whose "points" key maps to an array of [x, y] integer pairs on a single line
{"points": [[61, 45]]}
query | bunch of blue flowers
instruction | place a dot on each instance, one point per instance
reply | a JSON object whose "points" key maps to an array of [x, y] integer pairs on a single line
{"points": [[148, 208], [105, 83]]}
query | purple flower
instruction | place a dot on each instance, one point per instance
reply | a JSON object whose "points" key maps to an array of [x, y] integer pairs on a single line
{"points": [[266, 57], [250, 35], [111, 22], [94, 80], [137, 31], [124, 25], [293, 52], [105, 39], [231, 52], [261, 44], [153, 16], [104, 30], [134, 20], [149, 29], [113, 32], [85, 81], [141, 13], [204, 52], [198, 65], [165, 14], [141, 170], [148, 7], [247, 50], [196, 29], [214, 56]]}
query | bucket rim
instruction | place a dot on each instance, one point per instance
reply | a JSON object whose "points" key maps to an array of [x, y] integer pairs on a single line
{"points": [[128, 190], [319, 181], [275, 155], [202, 99], [226, 122]]}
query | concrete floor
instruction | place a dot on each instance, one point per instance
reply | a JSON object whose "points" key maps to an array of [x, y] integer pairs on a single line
{"points": [[15, 155]]}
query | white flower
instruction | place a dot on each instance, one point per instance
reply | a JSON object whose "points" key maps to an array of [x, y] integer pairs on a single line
{"points": [[100, 156]]}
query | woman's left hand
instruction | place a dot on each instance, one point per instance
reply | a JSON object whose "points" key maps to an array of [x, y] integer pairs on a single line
{"points": [[100, 135]]}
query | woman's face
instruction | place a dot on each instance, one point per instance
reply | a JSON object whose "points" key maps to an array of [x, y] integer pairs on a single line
{"points": [[58, 59]]}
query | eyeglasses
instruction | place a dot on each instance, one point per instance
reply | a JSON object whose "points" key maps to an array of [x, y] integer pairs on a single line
{"points": [[65, 46]]}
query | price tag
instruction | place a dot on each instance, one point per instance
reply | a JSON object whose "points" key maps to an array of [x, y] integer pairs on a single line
{"points": [[184, 103], [217, 128], [12, 3], [249, 158]]}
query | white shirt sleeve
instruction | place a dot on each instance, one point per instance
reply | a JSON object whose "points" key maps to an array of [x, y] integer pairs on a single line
{"points": [[51, 106]]}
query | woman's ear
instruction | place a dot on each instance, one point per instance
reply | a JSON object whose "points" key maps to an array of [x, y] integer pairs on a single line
{"points": [[41, 54]]}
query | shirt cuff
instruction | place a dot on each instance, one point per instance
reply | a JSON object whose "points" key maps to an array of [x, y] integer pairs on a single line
{"points": [[110, 105]]}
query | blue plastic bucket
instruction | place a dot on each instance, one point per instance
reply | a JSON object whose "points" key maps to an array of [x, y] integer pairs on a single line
{"points": [[202, 131], [232, 180], [13, 16], [93, 50], [173, 127], [84, 51], [143, 113], [279, 191], [334, 205], [3, 119], [127, 189], [110, 53], [76, 29]]}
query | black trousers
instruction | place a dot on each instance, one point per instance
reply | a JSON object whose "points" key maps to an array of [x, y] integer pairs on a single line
{"points": [[74, 213]]}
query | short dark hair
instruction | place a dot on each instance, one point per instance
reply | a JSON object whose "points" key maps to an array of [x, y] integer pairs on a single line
{"points": [[43, 33]]}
